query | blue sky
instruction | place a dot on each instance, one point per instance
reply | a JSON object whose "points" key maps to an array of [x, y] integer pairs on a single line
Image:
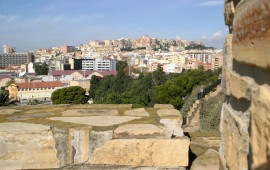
{"points": [[32, 24]]}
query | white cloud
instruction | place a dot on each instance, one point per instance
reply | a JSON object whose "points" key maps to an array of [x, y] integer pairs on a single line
{"points": [[211, 3], [216, 39], [217, 34]]}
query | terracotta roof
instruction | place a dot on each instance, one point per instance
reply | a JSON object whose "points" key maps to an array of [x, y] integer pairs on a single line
{"points": [[4, 76], [66, 72], [40, 84]]}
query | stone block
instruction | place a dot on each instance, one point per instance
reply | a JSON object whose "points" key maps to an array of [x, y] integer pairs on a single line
{"points": [[144, 152], [137, 112], [173, 127], [27, 146], [96, 140], [260, 126], [96, 120], [208, 160], [227, 65], [229, 11], [168, 112], [101, 106], [234, 138], [251, 33], [87, 112], [78, 145], [163, 106], [240, 86], [138, 131]]}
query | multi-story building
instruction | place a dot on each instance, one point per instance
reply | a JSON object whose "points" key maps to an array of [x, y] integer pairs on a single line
{"points": [[99, 65], [200, 55], [68, 49], [217, 61], [10, 59]]}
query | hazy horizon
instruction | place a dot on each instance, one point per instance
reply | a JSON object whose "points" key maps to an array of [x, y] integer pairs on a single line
{"points": [[30, 25]]}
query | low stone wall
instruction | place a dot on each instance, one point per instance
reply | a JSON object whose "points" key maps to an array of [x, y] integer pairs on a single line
{"points": [[245, 122], [81, 136]]}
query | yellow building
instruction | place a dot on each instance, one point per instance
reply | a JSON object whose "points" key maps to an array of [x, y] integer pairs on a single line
{"points": [[36, 90], [177, 59]]}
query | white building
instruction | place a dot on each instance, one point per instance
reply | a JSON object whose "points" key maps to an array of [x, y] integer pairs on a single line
{"points": [[99, 65]]}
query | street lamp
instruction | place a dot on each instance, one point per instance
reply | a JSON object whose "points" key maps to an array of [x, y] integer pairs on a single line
{"points": [[201, 116]]}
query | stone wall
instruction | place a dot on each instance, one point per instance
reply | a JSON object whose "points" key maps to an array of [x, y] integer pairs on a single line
{"points": [[92, 137], [245, 118]]}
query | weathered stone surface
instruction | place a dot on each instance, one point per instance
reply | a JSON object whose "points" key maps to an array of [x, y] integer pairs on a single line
{"points": [[168, 112], [227, 65], [144, 152], [173, 127], [208, 160], [251, 32], [6, 111], [32, 116], [229, 12], [27, 146], [163, 106], [96, 140], [61, 136], [240, 86], [202, 141], [234, 137], [139, 131], [96, 120], [85, 112], [137, 112], [78, 145], [260, 126], [116, 167], [102, 106]]}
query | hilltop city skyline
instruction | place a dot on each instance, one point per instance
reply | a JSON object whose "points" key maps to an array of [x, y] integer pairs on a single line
{"points": [[42, 24]]}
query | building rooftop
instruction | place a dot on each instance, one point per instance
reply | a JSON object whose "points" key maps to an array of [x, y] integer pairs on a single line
{"points": [[40, 84]]}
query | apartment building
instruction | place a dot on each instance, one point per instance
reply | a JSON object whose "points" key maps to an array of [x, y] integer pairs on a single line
{"points": [[99, 65], [217, 61], [68, 49], [11, 59], [200, 55]]}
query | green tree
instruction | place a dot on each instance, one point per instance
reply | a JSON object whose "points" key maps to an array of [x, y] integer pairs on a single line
{"points": [[4, 100], [93, 86], [121, 65], [175, 91], [41, 69], [70, 95], [121, 82], [159, 76], [8, 83]]}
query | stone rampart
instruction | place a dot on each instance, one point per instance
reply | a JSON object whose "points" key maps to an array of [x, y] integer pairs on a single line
{"points": [[245, 117]]}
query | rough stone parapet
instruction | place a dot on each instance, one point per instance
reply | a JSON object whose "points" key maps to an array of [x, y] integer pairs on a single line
{"points": [[245, 123]]}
